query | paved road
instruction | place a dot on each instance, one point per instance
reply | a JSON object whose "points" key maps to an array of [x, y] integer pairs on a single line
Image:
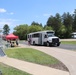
{"points": [[66, 56], [64, 53], [62, 46], [68, 46]]}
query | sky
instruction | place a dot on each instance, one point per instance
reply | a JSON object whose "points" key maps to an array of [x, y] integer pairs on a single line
{"points": [[16, 12]]}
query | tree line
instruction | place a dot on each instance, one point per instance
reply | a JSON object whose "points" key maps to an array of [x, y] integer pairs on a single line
{"points": [[63, 25]]}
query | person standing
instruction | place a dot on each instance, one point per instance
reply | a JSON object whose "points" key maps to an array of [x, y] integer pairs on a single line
{"points": [[17, 42], [29, 41]]}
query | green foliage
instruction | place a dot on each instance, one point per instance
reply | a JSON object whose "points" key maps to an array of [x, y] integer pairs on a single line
{"points": [[74, 22], [35, 28], [31, 55], [62, 31], [62, 25], [21, 31], [55, 23], [35, 23], [50, 21], [68, 21], [47, 28], [6, 29]]}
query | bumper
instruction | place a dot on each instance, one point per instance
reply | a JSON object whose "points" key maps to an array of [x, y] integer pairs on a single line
{"points": [[55, 43]]}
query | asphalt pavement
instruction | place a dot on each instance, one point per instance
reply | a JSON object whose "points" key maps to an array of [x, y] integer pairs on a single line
{"points": [[62, 46], [68, 46], [64, 53], [68, 57]]}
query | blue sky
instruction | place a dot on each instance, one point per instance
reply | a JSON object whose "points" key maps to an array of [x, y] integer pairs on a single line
{"points": [[16, 12]]}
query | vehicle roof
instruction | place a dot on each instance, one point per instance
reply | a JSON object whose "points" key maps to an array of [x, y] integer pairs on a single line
{"points": [[74, 33], [42, 31]]}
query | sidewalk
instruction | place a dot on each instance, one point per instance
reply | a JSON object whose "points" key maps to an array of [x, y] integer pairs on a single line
{"points": [[31, 68]]}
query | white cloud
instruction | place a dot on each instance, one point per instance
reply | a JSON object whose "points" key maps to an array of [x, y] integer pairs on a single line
{"points": [[10, 22], [2, 10], [43, 15], [46, 15], [11, 13], [3, 23]]}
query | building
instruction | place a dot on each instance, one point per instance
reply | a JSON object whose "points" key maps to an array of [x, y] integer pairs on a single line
{"points": [[74, 35]]}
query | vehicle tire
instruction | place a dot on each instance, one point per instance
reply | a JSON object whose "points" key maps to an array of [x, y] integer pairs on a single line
{"points": [[58, 44], [33, 42], [48, 44], [44, 44]]}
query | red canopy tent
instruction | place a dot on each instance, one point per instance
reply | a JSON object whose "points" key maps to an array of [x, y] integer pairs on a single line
{"points": [[11, 37]]}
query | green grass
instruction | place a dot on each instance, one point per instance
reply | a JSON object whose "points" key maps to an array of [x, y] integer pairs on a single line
{"points": [[69, 42], [31, 55], [7, 70]]}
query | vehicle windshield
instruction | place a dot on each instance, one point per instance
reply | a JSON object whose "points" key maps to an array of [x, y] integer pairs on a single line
{"points": [[50, 35]]}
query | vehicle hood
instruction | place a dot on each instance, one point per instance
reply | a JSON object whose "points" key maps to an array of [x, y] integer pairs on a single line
{"points": [[52, 37]]}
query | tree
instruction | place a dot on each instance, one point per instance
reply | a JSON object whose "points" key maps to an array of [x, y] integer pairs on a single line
{"points": [[67, 22], [47, 28], [36, 23], [50, 21], [24, 29], [55, 23], [35, 28], [62, 31], [74, 22], [6, 29], [21, 31]]}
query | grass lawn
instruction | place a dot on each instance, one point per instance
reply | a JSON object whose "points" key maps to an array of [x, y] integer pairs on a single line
{"points": [[31, 55], [69, 42], [7, 70], [35, 56]]}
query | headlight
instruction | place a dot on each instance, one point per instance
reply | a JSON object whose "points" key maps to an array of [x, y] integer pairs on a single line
{"points": [[50, 40]]}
